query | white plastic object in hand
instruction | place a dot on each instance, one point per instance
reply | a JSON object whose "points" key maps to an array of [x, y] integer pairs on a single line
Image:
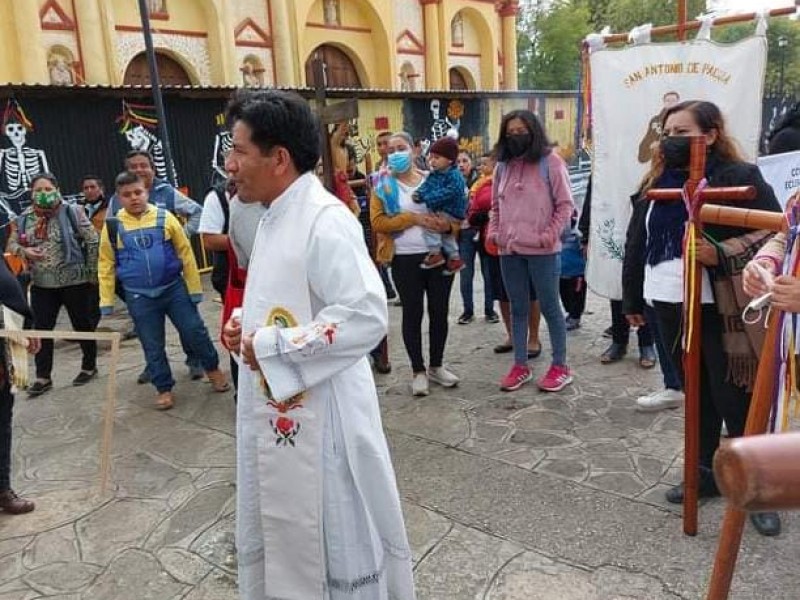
{"points": [[766, 276], [756, 306]]}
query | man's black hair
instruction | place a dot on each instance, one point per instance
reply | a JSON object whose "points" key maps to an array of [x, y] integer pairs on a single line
{"points": [[91, 177], [278, 118], [145, 153], [44, 175]]}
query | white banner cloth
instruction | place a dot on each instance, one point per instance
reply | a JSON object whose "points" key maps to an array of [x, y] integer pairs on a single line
{"points": [[782, 172]]}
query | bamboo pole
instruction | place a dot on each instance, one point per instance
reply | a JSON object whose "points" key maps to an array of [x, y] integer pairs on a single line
{"points": [[682, 20], [106, 440], [743, 217], [616, 38], [757, 419]]}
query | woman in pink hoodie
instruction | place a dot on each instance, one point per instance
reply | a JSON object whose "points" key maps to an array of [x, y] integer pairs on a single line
{"points": [[531, 205]]}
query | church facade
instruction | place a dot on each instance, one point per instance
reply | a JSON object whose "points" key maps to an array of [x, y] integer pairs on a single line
{"points": [[399, 45]]}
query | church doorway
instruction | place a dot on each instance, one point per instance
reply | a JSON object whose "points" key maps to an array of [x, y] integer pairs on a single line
{"points": [[339, 68], [170, 71]]}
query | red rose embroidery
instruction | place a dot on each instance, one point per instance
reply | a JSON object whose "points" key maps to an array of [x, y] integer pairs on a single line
{"points": [[284, 425]]}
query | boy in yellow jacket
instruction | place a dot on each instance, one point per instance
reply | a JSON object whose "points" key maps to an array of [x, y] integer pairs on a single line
{"points": [[152, 258]]}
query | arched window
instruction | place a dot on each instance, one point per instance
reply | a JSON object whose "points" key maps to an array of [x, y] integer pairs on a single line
{"points": [[252, 72], [457, 29], [61, 66], [457, 80], [408, 78]]}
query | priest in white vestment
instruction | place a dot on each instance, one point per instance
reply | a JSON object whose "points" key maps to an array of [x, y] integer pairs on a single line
{"points": [[318, 513]]}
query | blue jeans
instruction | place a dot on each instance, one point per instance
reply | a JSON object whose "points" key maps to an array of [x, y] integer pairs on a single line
{"points": [[469, 249], [438, 242], [149, 317], [520, 271], [672, 379]]}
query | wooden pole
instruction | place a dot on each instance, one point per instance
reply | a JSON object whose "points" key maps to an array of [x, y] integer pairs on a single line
{"points": [[682, 20], [760, 473], [622, 38], [691, 359], [757, 419]]}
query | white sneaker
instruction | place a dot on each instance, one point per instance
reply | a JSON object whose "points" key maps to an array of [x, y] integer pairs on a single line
{"points": [[660, 400], [419, 385], [443, 377]]}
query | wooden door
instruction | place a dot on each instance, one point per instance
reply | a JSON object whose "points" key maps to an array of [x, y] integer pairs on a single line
{"points": [[170, 71], [339, 69], [457, 80]]}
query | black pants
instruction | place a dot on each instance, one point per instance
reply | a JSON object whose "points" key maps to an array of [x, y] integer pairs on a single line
{"points": [[719, 399], [46, 304], [414, 284], [6, 410], [573, 295], [620, 330]]}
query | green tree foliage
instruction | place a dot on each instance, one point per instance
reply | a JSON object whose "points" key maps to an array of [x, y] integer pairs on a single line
{"points": [[549, 45]]}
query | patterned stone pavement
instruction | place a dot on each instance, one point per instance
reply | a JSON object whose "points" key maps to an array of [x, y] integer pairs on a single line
{"points": [[520, 496]]}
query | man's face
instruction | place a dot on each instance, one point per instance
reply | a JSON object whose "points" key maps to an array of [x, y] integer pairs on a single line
{"points": [[142, 167], [253, 172], [671, 100], [134, 198], [464, 164], [92, 190]]}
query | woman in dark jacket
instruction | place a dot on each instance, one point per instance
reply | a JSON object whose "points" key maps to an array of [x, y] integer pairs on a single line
{"points": [[653, 273], [12, 298]]}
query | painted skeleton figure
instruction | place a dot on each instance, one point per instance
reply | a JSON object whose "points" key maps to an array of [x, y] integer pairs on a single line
{"points": [[139, 138], [223, 142], [18, 165], [441, 127]]}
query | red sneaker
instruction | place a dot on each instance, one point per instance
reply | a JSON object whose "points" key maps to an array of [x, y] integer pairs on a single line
{"points": [[518, 376], [556, 379], [432, 261]]}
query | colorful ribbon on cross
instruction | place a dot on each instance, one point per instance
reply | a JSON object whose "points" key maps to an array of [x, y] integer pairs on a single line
{"points": [[690, 265]]}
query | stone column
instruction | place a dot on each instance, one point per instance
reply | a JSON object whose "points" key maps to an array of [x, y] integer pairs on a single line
{"points": [[434, 79], [93, 46], [508, 12], [283, 44], [30, 49]]}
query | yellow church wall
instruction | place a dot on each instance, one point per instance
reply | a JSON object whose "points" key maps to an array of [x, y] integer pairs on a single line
{"points": [[480, 37], [371, 52], [184, 15], [497, 108], [9, 63]]}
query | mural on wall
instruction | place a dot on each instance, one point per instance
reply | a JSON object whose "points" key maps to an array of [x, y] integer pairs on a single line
{"points": [[223, 142], [138, 126], [429, 120], [19, 163]]}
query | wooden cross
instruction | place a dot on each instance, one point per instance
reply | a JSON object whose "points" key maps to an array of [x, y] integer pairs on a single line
{"points": [[757, 418], [692, 318], [329, 115]]}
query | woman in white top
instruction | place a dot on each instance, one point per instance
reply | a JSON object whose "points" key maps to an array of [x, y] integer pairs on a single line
{"points": [[394, 213]]}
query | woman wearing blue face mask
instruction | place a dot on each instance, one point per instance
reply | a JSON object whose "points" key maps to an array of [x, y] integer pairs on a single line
{"points": [[393, 212]]}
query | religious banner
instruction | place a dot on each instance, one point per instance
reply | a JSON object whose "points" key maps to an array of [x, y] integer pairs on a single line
{"points": [[630, 89], [782, 172]]}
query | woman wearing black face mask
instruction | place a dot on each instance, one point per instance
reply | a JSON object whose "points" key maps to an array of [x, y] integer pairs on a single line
{"points": [[653, 273]]}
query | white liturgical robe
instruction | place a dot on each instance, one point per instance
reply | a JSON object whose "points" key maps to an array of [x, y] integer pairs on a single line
{"points": [[318, 513]]}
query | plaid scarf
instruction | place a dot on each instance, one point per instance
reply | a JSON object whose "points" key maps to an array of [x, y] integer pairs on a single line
{"points": [[741, 343]]}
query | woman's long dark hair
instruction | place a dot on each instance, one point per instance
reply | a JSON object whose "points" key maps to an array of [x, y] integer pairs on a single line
{"points": [[540, 145], [708, 118]]}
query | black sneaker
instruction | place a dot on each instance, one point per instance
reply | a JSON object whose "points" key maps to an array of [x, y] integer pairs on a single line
{"points": [[608, 332], [84, 377], [196, 372], [466, 319], [144, 377], [707, 488], [492, 318], [39, 387]]}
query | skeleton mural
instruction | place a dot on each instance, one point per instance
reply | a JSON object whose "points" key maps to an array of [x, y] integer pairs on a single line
{"points": [[443, 126], [137, 122], [18, 162], [222, 146]]}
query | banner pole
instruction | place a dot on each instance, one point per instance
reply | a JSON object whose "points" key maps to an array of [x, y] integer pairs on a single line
{"points": [[682, 20]]}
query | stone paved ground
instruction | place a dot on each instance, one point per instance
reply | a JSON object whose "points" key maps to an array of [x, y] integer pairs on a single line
{"points": [[521, 496]]}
